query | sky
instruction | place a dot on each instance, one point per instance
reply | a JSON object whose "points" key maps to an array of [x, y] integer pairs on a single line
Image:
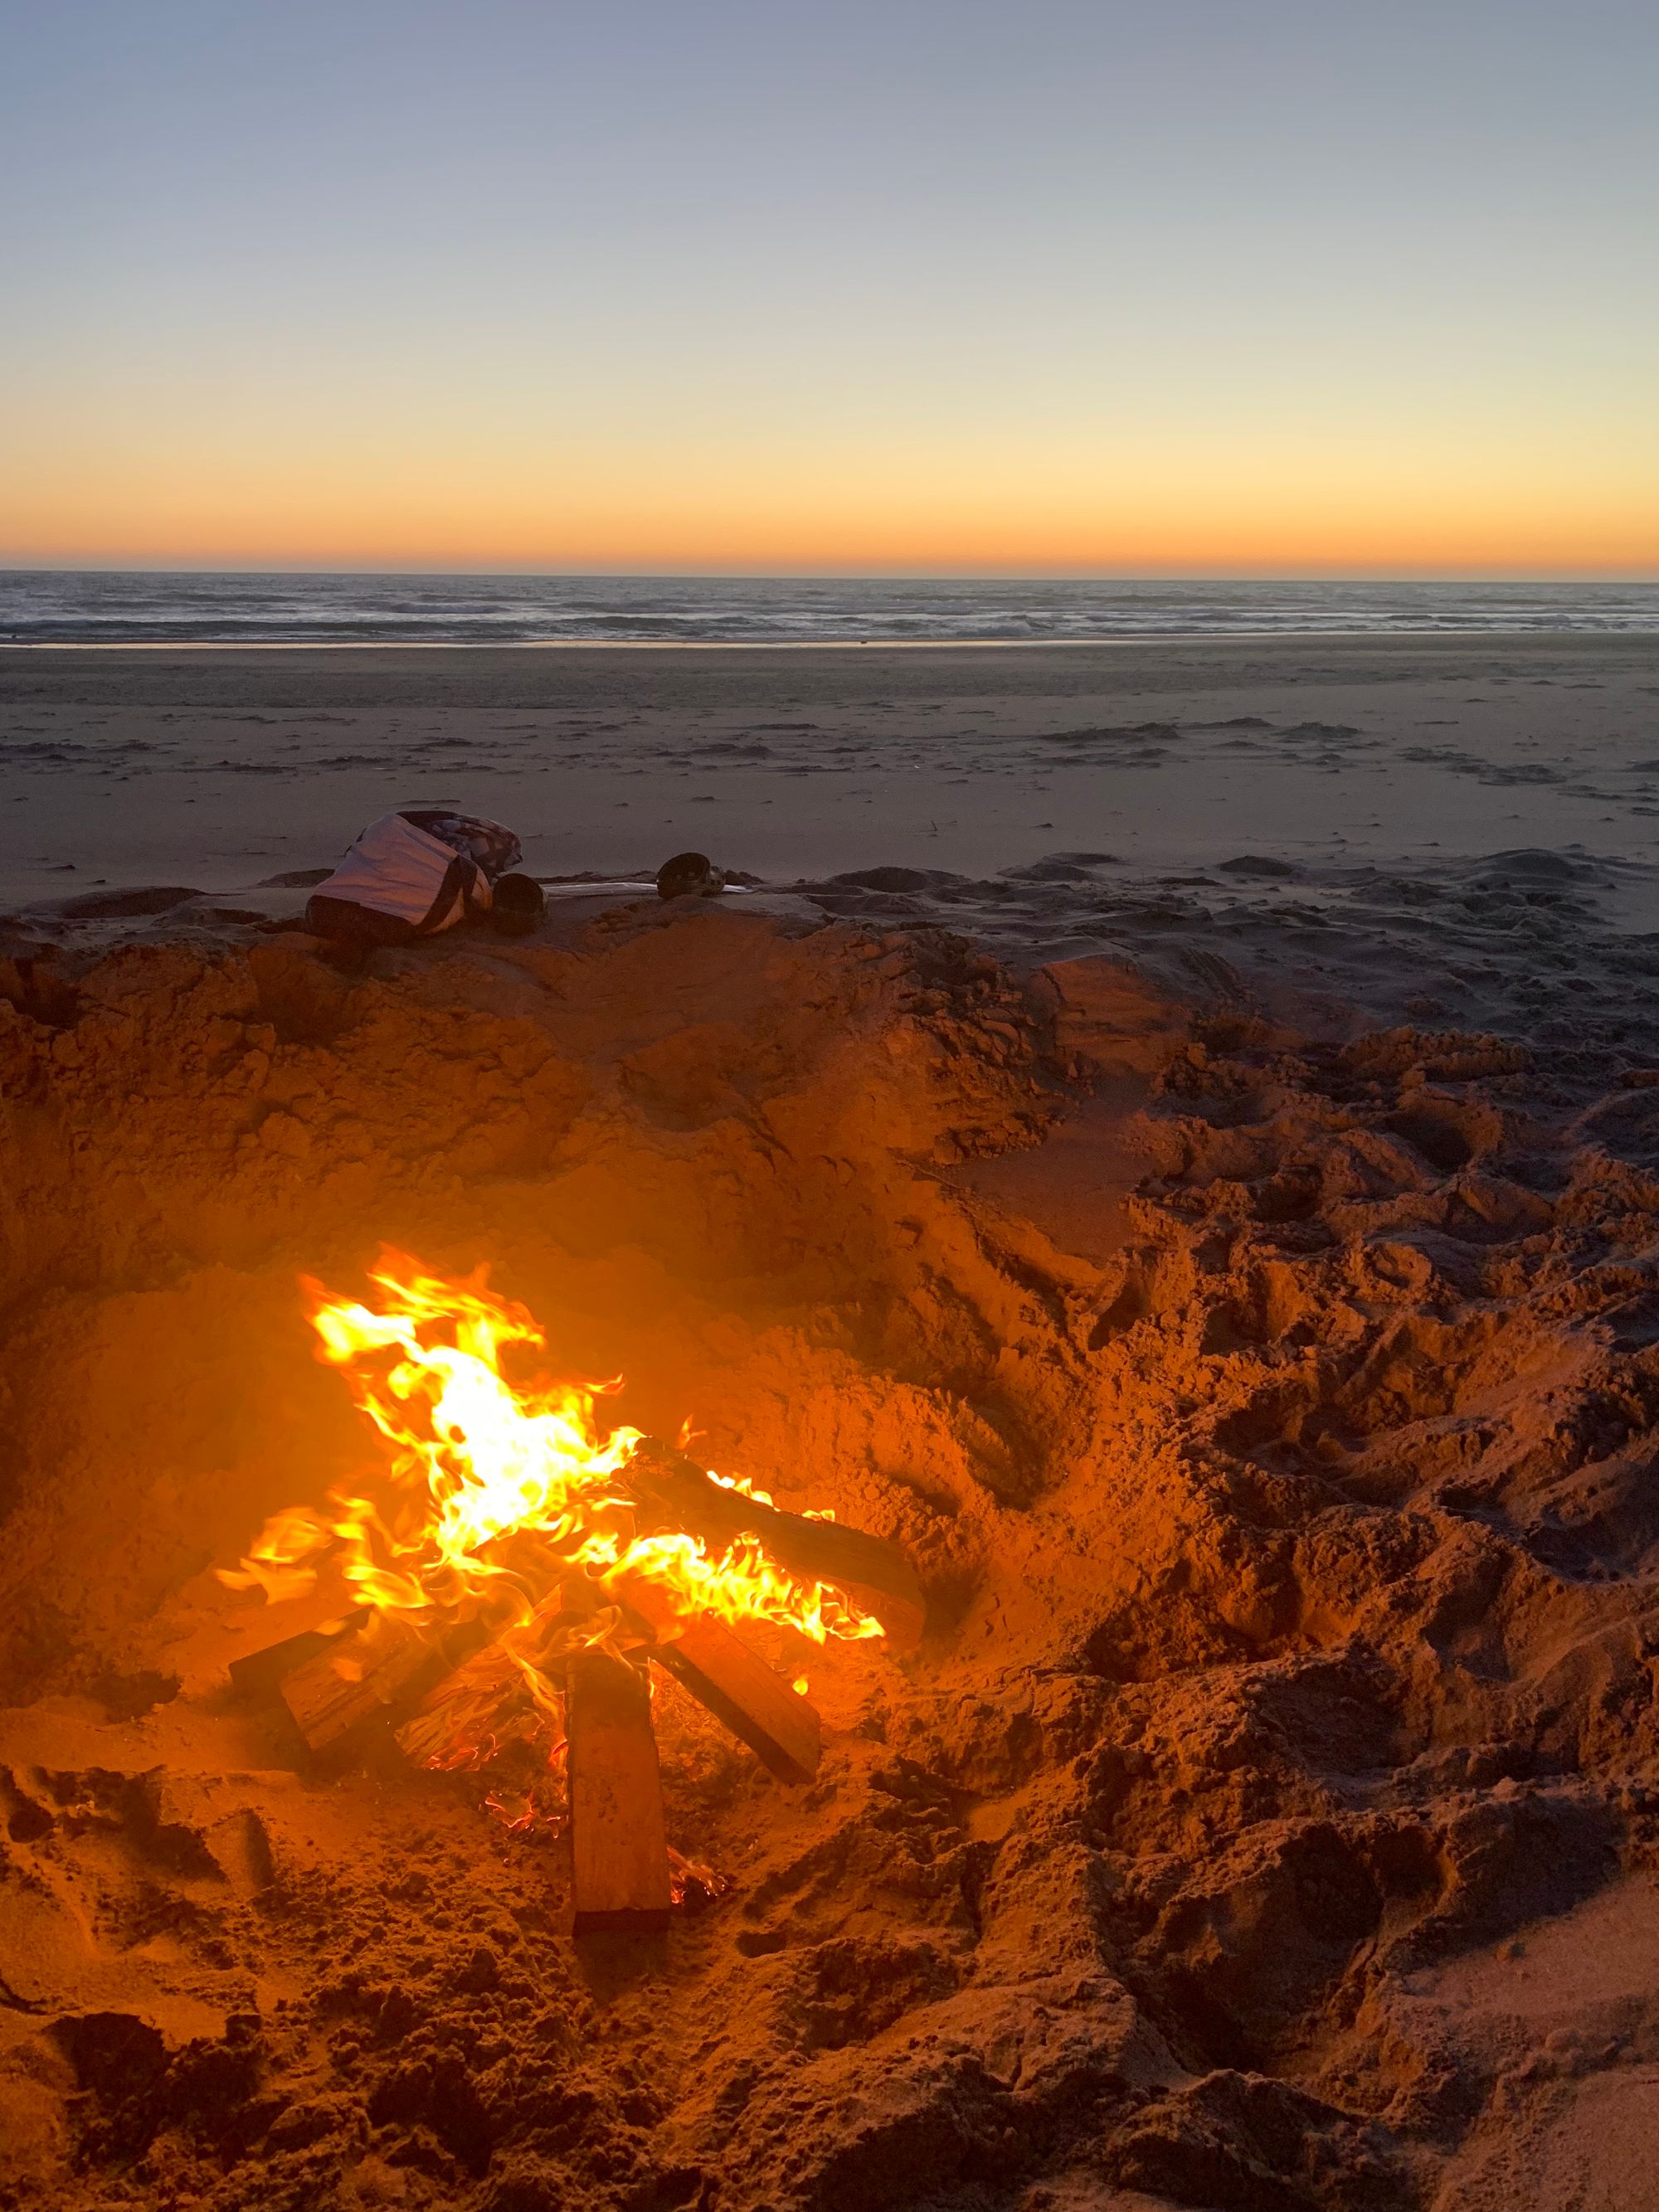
{"points": [[1050, 287]]}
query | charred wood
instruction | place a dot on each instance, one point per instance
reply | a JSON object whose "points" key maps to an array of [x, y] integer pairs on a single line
{"points": [[257, 1673]]}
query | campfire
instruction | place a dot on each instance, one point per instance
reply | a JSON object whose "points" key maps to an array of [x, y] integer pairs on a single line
{"points": [[501, 1583]]}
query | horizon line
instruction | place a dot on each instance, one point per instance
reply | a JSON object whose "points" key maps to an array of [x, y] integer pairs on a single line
{"points": [[1467, 576]]}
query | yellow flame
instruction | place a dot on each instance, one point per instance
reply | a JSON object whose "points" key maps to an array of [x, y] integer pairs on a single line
{"points": [[493, 1489], [277, 1563]]}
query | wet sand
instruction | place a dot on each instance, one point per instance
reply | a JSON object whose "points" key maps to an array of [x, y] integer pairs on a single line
{"points": [[216, 766], [1427, 828]]}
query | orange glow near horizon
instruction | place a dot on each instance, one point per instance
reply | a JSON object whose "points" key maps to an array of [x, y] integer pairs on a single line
{"points": [[1269, 512], [1155, 458], [1279, 290], [324, 473]]}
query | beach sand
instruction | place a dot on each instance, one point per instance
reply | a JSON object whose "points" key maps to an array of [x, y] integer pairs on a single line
{"points": [[1237, 1293], [1414, 827], [226, 765]]}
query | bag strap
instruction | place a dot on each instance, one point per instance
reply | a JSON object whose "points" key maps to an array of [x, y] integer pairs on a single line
{"points": [[456, 884]]}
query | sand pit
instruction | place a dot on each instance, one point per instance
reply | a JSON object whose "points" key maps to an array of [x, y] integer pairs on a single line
{"points": [[1268, 1819]]}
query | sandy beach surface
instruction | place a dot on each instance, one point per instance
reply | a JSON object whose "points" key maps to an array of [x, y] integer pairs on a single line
{"points": [[1173, 1143], [1402, 823], [228, 765]]}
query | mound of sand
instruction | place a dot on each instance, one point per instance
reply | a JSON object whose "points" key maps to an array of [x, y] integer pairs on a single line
{"points": [[1267, 1821]]}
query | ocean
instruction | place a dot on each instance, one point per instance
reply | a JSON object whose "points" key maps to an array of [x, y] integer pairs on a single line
{"points": [[128, 607]]}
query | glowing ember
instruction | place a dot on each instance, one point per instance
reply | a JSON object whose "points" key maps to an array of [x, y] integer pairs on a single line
{"points": [[691, 1883], [493, 1490]]}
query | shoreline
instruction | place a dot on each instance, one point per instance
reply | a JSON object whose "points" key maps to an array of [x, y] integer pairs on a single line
{"points": [[1493, 632]]}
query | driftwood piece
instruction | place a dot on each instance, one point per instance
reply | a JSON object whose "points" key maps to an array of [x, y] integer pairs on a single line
{"points": [[356, 1676], [673, 1491], [618, 1841]]}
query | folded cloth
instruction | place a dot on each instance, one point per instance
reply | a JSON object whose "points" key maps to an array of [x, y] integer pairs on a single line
{"points": [[412, 874]]}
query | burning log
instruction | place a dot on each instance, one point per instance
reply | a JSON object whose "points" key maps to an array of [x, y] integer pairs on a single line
{"points": [[256, 1673], [463, 1720], [674, 1493], [739, 1689], [361, 1674], [476, 1707], [761, 1710], [457, 1722], [507, 1497], [290, 1626], [333, 1678], [618, 1841]]}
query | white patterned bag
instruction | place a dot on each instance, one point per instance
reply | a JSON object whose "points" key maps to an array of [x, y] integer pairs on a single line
{"points": [[412, 874]]}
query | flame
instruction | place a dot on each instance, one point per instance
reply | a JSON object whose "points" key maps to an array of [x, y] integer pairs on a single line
{"points": [[277, 1563], [493, 1489]]}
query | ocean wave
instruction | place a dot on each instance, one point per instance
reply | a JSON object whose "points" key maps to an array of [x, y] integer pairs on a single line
{"points": [[46, 607]]}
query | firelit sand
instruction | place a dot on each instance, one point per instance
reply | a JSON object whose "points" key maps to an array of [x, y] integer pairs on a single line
{"points": [[1269, 1817]]}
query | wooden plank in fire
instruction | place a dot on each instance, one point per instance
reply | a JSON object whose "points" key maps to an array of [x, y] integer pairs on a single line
{"points": [[760, 1709], [454, 1721], [741, 1690], [333, 1683], [674, 1493], [618, 1838], [288, 1630], [719, 1669], [364, 1672], [258, 1672]]}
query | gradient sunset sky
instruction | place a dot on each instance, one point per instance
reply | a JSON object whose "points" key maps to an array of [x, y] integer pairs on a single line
{"points": [[1362, 287]]}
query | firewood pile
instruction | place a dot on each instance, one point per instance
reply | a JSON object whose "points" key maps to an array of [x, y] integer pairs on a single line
{"points": [[548, 1695]]}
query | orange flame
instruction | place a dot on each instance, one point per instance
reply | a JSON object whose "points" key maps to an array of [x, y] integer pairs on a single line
{"points": [[493, 1489]]}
